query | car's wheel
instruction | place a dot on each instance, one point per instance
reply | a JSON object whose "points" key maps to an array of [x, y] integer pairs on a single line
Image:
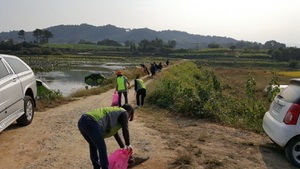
{"points": [[292, 151], [27, 117]]}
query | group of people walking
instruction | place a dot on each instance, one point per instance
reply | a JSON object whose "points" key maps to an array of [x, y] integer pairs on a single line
{"points": [[154, 67], [98, 124]]}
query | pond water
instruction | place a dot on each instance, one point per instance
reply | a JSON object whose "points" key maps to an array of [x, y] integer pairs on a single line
{"points": [[69, 81]]}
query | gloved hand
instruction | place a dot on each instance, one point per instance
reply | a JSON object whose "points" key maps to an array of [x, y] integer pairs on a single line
{"points": [[129, 149]]}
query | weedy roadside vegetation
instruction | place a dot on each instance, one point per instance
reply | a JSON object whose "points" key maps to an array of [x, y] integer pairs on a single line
{"points": [[198, 91], [227, 95]]}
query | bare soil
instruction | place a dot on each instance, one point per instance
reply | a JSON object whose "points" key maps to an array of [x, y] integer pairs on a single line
{"points": [[53, 141]]}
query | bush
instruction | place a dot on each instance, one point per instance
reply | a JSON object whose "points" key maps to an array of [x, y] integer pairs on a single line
{"points": [[198, 93], [183, 94], [293, 64]]}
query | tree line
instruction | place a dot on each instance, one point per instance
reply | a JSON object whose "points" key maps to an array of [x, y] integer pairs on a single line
{"points": [[269, 45], [278, 51], [155, 45], [41, 36]]}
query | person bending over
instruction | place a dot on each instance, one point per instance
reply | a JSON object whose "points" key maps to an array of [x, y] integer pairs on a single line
{"points": [[105, 122]]}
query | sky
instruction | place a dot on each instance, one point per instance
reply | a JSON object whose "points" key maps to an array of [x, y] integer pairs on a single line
{"points": [[248, 20]]}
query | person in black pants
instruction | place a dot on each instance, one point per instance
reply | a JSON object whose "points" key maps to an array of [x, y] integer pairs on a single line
{"points": [[152, 69], [101, 123], [140, 91], [122, 87]]}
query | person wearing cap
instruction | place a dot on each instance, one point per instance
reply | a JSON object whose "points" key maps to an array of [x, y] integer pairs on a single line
{"points": [[101, 123], [122, 87], [140, 91]]}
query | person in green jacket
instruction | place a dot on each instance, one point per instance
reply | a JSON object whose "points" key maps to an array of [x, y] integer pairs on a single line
{"points": [[140, 91], [122, 87], [98, 124]]}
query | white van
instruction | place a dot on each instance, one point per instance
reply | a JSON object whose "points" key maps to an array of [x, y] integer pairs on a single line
{"points": [[18, 92]]}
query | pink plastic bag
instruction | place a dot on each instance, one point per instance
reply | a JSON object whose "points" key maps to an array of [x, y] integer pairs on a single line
{"points": [[115, 100], [119, 159]]}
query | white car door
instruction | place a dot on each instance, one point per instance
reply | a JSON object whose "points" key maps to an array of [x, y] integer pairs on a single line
{"points": [[11, 90], [3, 73], [13, 94], [2, 106]]}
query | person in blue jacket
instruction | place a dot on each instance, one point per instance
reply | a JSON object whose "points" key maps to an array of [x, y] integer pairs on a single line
{"points": [[101, 123]]}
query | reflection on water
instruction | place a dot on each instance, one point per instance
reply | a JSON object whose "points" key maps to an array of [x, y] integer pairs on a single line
{"points": [[69, 81], [66, 81]]}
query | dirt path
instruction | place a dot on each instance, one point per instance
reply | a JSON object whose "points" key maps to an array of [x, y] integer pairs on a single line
{"points": [[53, 141]]}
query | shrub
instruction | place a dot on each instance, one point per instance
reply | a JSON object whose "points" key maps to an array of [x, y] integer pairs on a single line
{"points": [[198, 93], [293, 64]]}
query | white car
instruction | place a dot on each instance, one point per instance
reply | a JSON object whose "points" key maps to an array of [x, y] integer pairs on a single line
{"points": [[18, 92], [281, 122], [272, 87]]}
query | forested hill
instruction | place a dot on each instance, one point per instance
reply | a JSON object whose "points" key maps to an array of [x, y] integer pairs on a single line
{"points": [[75, 33]]}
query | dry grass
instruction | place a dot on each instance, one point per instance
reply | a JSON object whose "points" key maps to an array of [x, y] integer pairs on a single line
{"points": [[43, 105], [292, 74], [179, 133], [183, 161], [234, 79]]}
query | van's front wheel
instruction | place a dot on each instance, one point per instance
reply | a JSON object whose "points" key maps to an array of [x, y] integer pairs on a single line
{"points": [[27, 117]]}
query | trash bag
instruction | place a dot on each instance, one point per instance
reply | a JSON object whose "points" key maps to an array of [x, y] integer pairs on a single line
{"points": [[115, 100], [119, 159]]}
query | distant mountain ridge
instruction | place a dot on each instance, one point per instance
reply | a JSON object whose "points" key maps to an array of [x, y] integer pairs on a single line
{"points": [[75, 33]]}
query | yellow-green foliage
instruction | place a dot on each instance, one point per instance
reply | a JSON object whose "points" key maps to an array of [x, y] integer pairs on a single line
{"points": [[184, 89], [291, 74], [185, 74]]}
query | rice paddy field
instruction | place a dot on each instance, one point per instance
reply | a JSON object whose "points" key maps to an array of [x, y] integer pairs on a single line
{"points": [[290, 73]]}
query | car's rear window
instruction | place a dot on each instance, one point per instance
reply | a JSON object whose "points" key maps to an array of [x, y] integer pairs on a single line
{"points": [[291, 94], [16, 65]]}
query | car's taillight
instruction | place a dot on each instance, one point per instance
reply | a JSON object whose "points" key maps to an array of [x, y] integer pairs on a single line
{"points": [[292, 115]]}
